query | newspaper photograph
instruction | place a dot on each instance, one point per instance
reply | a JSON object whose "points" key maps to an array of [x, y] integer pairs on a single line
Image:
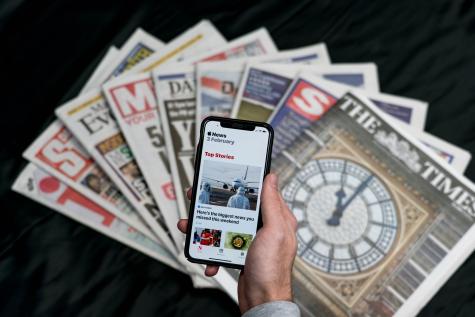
{"points": [[105, 62], [382, 221], [255, 43], [137, 48], [285, 118], [263, 85], [200, 38], [90, 120], [176, 91], [216, 87], [47, 190], [58, 153], [312, 54], [133, 103]]}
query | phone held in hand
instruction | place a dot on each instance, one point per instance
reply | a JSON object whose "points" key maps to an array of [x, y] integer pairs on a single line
{"points": [[232, 159]]}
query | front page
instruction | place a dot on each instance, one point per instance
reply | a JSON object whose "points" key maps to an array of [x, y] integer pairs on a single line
{"points": [[133, 103], [382, 222], [89, 118], [59, 154]]}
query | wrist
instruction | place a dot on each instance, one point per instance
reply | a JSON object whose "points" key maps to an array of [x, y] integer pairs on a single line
{"points": [[264, 295]]}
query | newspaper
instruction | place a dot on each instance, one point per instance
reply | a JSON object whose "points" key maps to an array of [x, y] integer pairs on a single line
{"points": [[60, 155], [44, 188], [200, 38], [175, 90], [312, 54], [288, 123], [255, 43], [263, 85], [89, 119], [133, 103], [139, 46], [108, 58], [217, 83], [457, 157], [382, 222]]}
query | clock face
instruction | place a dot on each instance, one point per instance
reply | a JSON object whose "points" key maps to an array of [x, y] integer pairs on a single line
{"points": [[347, 220]]}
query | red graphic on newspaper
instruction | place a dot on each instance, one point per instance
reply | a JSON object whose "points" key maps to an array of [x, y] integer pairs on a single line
{"points": [[309, 101], [135, 101], [66, 196], [61, 153]]}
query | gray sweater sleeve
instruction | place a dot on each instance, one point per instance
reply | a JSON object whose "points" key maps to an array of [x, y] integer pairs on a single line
{"points": [[274, 309]]}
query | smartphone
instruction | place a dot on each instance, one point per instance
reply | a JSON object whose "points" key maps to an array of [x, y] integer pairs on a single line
{"points": [[232, 159]]}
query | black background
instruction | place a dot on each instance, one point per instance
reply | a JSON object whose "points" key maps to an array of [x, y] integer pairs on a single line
{"points": [[52, 266]]}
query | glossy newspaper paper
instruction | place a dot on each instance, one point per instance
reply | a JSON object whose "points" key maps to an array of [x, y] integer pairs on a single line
{"points": [[89, 118], [382, 222], [263, 85], [51, 192], [58, 153], [133, 103], [218, 82]]}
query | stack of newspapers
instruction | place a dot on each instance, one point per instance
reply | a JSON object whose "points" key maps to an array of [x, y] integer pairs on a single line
{"points": [[119, 159]]}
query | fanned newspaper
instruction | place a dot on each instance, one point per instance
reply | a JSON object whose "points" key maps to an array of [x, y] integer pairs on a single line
{"points": [[255, 43], [51, 192], [288, 122], [263, 85], [200, 38], [176, 90], [60, 155], [89, 119], [138, 48], [133, 103], [217, 82], [382, 221]]}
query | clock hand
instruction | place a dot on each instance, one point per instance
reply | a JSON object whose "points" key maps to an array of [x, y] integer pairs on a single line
{"points": [[335, 219], [338, 212]]}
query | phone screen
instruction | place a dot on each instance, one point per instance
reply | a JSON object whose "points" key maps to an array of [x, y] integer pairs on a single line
{"points": [[228, 193]]}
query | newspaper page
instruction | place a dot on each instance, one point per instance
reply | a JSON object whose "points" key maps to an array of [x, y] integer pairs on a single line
{"points": [[108, 58], [48, 190], [382, 222], [457, 157], [217, 82], [138, 47], [255, 43], [133, 103], [89, 119], [60, 155], [288, 124], [175, 90], [263, 85], [312, 54], [200, 38]]}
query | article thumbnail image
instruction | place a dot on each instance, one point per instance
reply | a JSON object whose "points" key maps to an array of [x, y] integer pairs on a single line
{"points": [[208, 237], [238, 241], [229, 185]]}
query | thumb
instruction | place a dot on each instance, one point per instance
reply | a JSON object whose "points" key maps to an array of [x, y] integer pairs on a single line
{"points": [[270, 200]]}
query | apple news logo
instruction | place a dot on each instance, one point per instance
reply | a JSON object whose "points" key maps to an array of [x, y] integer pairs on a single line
{"points": [[219, 135]]}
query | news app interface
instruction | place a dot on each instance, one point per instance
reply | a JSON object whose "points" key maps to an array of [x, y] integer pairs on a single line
{"points": [[228, 194]]}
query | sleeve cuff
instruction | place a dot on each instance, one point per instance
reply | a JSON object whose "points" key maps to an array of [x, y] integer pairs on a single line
{"points": [[274, 309]]}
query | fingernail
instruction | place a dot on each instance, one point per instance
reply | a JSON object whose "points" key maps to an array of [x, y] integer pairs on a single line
{"points": [[273, 181]]}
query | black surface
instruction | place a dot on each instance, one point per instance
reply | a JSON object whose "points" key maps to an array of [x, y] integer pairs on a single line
{"points": [[51, 266]]}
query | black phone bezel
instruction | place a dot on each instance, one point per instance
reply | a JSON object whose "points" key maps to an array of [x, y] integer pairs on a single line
{"points": [[233, 124]]}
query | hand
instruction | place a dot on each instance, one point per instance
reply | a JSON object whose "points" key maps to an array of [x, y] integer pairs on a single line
{"points": [[267, 275]]}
